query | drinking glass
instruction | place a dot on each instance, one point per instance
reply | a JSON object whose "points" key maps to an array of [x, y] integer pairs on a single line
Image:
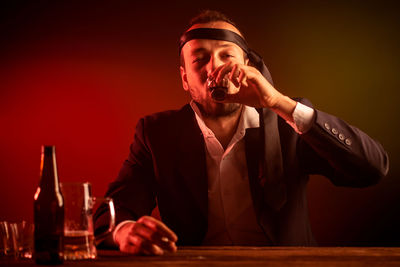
{"points": [[79, 240], [7, 245], [22, 233]]}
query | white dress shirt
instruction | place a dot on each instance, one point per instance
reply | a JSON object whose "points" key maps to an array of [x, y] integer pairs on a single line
{"points": [[231, 215]]}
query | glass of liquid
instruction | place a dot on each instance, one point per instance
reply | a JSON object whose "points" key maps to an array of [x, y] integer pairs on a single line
{"points": [[218, 90], [79, 239]]}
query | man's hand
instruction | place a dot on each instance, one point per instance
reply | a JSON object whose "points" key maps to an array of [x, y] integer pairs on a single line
{"points": [[146, 236], [253, 89]]}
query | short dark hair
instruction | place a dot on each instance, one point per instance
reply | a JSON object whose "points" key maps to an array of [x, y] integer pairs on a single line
{"points": [[206, 16]]}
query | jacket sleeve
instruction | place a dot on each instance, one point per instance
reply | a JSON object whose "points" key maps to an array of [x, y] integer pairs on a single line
{"points": [[133, 192], [343, 153]]}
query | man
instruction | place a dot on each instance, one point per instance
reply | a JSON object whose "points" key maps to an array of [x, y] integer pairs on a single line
{"points": [[223, 172]]}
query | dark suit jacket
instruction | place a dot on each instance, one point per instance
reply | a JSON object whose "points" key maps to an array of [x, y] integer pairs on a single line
{"points": [[167, 167]]}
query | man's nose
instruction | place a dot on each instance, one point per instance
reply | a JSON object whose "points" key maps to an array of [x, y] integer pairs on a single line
{"points": [[214, 63]]}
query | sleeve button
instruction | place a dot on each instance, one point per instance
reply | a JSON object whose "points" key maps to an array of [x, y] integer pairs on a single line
{"points": [[341, 137], [348, 142], [327, 126], [334, 131]]}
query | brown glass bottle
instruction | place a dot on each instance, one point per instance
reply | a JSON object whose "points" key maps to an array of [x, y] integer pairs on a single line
{"points": [[49, 212]]}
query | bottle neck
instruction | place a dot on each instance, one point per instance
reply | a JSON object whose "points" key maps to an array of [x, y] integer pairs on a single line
{"points": [[48, 169]]}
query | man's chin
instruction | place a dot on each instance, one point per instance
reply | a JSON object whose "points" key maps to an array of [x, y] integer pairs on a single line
{"points": [[217, 110]]}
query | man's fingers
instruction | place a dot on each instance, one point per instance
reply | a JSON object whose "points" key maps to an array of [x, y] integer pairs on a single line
{"points": [[159, 227], [152, 249], [154, 236], [146, 236], [139, 245], [216, 71], [235, 74], [241, 77], [225, 69], [170, 246], [143, 231], [132, 244]]}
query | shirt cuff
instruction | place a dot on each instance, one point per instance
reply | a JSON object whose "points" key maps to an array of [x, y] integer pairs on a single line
{"points": [[302, 118], [119, 227]]}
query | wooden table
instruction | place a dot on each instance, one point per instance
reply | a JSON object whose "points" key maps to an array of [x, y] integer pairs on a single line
{"points": [[244, 256]]}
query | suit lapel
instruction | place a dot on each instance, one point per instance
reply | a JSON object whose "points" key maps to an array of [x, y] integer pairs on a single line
{"points": [[192, 163]]}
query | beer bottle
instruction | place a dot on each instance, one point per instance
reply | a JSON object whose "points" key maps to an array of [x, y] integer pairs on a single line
{"points": [[49, 212]]}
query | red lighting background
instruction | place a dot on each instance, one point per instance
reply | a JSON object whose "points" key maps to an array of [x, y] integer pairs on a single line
{"points": [[79, 75]]}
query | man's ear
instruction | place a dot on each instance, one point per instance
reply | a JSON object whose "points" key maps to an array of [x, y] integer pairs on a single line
{"points": [[184, 78]]}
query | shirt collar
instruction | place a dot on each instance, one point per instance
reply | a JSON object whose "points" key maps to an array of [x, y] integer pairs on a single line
{"points": [[249, 118]]}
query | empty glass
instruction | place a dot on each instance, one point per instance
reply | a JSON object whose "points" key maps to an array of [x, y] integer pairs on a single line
{"points": [[23, 239], [7, 245]]}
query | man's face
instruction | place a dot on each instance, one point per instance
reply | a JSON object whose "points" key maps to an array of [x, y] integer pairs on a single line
{"points": [[201, 57]]}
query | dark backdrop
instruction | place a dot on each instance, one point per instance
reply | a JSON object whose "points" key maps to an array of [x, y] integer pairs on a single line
{"points": [[79, 74]]}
